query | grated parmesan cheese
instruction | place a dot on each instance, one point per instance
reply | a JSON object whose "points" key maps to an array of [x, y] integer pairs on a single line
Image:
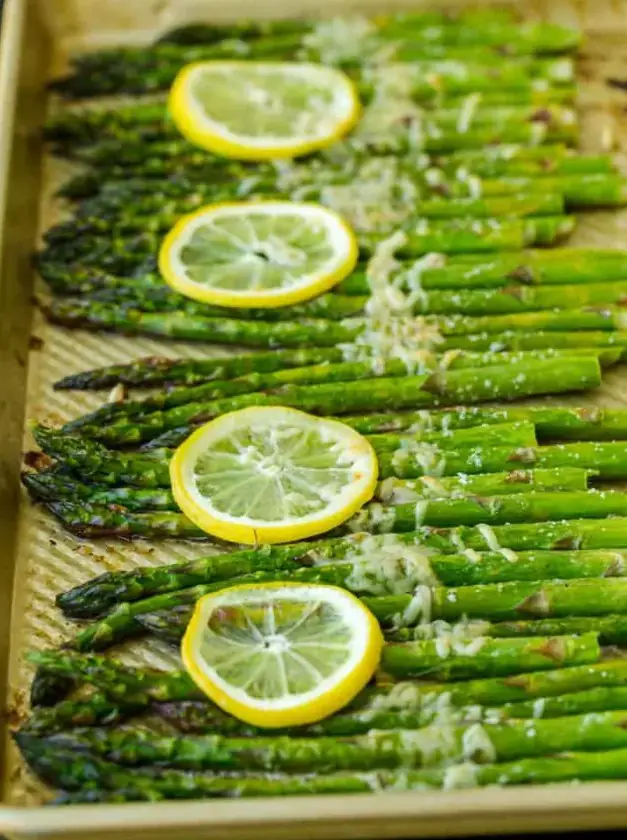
{"points": [[467, 112], [341, 40], [476, 745], [493, 544], [460, 776], [389, 566], [418, 611], [391, 331]]}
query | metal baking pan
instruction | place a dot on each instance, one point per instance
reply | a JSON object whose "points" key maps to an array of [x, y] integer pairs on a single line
{"points": [[38, 559]]}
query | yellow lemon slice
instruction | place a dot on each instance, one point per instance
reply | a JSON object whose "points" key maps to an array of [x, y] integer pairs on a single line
{"points": [[256, 110], [257, 254], [281, 654], [271, 474]]}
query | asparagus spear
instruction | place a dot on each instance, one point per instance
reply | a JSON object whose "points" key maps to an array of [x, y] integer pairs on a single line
{"points": [[143, 686], [131, 71], [513, 341], [89, 520], [518, 331], [97, 709], [336, 306], [53, 486], [123, 254], [434, 746], [495, 601], [349, 560], [202, 718], [95, 462], [468, 385], [325, 372], [495, 510], [482, 657], [551, 423], [398, 491], [490, 162], [612, 629], [124, 223], [168, 198], [72, 130], [93, 780], [151, 469], [433, 272]]}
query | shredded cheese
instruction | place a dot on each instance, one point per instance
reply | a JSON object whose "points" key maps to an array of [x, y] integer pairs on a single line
{"points": [[477, 746], [467, 112], [389, 566], [460, 776], [390, 329], [493, 544]]}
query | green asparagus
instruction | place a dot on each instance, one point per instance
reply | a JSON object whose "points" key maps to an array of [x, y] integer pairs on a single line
{"points": [[325, 372], [92, 521], [494, 601], [93, 780], [123, 254], [151, 469], [612, 629], [469, 385], [50, 485], [434, 746]]}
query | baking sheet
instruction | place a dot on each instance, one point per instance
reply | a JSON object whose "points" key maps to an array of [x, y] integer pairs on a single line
{"points": [[48, 560]]}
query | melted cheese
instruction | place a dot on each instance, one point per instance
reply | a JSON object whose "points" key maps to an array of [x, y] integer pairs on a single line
{"points": [[476, 744], [341, 40], [390, 329], [493, 544], [429, 457], [389, 566], [460, 776]]}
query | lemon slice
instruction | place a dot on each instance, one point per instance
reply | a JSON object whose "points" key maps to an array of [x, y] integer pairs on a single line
{"points": [[257, 254], [272, 474], [281, 654], [256, 110]]}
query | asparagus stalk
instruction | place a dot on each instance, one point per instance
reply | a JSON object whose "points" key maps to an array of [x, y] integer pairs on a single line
{"points": [[346, 562], [434, 273], [122, 254], [490, 162], [551, 423], [434, 746], [543, 338], [89, 520], [612, 629], [143, 686], [468, 385], [97, 709], [72, 130], [105, 591], [515, 332], [337, 306], [151, 469], [93, 780], [494, 601], [495, 510], [53, 486], [131, 71], [194, 717], [96, 462], [130, 222], [201, 718], [400, 491], [171, 197], [323, 373]]}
